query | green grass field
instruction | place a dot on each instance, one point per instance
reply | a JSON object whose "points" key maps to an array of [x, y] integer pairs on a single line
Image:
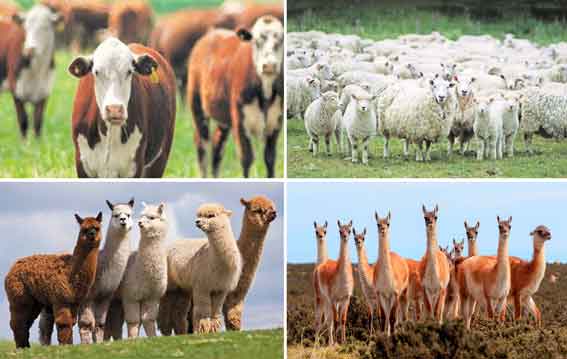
{"points": [[53, 155], [378, 23], [236, 345]]}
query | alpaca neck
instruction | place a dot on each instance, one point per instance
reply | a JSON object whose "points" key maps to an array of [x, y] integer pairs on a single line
{"points": [[343, 255], [224, 245], [502, 261], [384, 253], [117, 243], [322, 254], [83, 268], [538, 264], [473, 249]]}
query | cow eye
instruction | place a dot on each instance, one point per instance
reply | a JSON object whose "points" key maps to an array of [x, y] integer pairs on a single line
{"points": [[97, 72], [128, 73]]}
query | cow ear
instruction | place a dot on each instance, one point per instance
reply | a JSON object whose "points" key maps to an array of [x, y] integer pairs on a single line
{"points": [[56, 18], [81, 66], [144, 64], [244, 35], [99, 217], [19, 18]]}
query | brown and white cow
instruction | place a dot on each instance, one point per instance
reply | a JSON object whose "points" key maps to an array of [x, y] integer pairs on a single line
{"points": [[124, 111], [237, 79], [253, 12], [27, 67]]}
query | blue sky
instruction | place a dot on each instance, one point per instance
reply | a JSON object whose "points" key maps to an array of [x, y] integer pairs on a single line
{"points": [[38, 218], [530, 204]]}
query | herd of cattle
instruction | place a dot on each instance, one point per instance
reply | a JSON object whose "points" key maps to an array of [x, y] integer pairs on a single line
{"points": [[124, 110], [422, 89]]}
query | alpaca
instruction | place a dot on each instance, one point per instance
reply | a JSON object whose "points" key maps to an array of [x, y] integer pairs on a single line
{"points": [[59, 283], [486, 280], [333, 281], [415, 290], [259, 212], [391, 275], [145, 277], [472, 234], [321, 235], [434, 269], [366, 277], [111, 264], [201, 273]]}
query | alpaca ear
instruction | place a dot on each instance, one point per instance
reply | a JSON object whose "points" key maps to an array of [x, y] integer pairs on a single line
{"points": [[99, 217], [78, 218], [325, 224], [339, 222], [466, 224], [364, 232], [245, 203], [389, 216], [477, 225], [423, 209], [228, 212], [161, 208], [315, 224], [110, 205], [131, 202]]}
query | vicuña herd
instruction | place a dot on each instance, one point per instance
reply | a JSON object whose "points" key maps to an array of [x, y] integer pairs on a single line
{"points": [[156, 284], [447, 284]]}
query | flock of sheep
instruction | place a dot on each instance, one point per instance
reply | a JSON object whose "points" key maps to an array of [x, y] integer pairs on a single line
{"points": [[423, 89]]}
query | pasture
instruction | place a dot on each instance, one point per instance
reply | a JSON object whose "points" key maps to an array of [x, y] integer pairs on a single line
{"points": [[52, 156], [383, 22], [246, 344]]}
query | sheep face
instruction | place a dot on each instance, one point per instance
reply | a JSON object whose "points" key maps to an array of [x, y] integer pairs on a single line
{"points": [[363, 104], [541, 234], [464, 86], [121, 215], [153, 221], [448, 71], [331, 99], [324, 70], [440, 89], [313, 87], [212, 218]]}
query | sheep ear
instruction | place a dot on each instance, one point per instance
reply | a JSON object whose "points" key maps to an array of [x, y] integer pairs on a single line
{"points": [[431, 82], [78, 218], [245, 203], [473, 79], [110, 205], [228, 212], [451, 84], [354, 97], [131, 202], [99, 217]]}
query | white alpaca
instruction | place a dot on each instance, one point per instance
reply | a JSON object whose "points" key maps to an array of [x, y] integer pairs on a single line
{"points": [[207, 268], [145, 279]]}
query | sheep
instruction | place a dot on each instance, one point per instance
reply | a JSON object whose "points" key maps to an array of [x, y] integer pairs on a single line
{"points": [[330, 86], [201, 272], [58, 283], [359, 122], [356, 77], [418, 115], [407, 71], [145, 277], [488, 127], [462, 128], [320, 70], [543, 111], [297, 61], [321, 121], [510, 125], [300, 92], [346, 94]]}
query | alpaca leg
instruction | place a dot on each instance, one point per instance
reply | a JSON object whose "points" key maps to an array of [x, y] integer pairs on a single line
{"points": [[201, 311], [165, 320], [86, 323], [64, 320], [180, 304], [132, 316], [100, 314], [233, 315], [149, 312], [114, 321], [22, 317], [46, 323], [217, 300]]}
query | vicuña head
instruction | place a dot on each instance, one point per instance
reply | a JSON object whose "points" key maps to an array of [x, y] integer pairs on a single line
{"points": [[359, 237], [89, 234], [504, 226], [430, 217], [383, 223], [320, 231], [121, 219], [212, 217], [260, 210], [344, 230], [153, 221], [541, 234], [472, 232], [458, 248]]}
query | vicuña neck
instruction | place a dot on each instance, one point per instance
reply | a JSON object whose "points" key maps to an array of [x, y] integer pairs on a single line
{"points": [[538, 256], [473, 250], [322, 254], [502, 261], [384, 249], [343, 253], [432, 244]]}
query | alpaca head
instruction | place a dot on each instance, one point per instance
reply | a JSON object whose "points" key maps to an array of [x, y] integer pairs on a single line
{"points": [[320, 231], [260, 211], [121, 215], [383, 223], [153, 221], [541, 234], [472, 232], [359, 238], [344, 230], [212, 217], [89, 234], [458, 247], [504, 226], [430, 217]]}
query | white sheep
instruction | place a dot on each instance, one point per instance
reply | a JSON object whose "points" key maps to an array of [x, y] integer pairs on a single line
{"points": [[359, 122], [321, 121], [346, 95], [465, 114], [300, 92], [488, 127], [320, 70], [510, 124]]}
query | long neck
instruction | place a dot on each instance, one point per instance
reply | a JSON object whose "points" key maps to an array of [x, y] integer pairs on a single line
{"points": [[384, 250], [502, 262], [224, 244], [473, 250], [432, 243], [343, 253], [363, 266], [83, 268], [322, 254], [117, 241], [538, 259]]}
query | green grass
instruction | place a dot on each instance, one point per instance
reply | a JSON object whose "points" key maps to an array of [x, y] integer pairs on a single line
{"points": [[236, 345], [378, 23], [549, 160]]}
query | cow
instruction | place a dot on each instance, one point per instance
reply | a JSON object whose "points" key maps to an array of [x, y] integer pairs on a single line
{"points": [[27, 67], [130, 21], [175, 35], [124, 111], [8, 8], [237, 79]]}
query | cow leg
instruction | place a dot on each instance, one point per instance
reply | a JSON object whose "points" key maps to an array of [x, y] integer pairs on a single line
{"points": [[219, 142], [201, 132], [22, 116], [38, 117], [270, 152], [246, 152]]}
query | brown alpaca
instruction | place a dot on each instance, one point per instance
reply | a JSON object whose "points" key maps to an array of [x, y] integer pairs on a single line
{"points": [[58, 283], [415, 290], [472, 234], [391, 275], [434, 269], [258, 214]]}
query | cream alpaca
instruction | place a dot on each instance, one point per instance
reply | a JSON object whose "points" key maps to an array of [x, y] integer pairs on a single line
{"points": [[202, 272], [366, 277], [391, 275], [145, 278]]}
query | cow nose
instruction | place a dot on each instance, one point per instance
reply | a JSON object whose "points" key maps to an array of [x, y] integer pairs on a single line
{"points": [[28, 51], [269, 68], [115, 111]]}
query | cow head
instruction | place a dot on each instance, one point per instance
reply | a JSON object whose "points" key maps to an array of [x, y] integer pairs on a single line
{"points": [[267, 45], [113, 65], [39, 25]]}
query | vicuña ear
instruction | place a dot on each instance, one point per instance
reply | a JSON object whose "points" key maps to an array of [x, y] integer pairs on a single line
{"points": [[477, 225], [99, 217], [389, 216], [110, 205], [325, 224], [144, 64], [81, 66], [131, 202], [78, 218], [423, 209], [364, 232], [315, 224], [466, 225]]}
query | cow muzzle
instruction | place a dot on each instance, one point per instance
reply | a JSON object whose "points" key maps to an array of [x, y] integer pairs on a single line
{"points": [[269, 69], [115, 114]]}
